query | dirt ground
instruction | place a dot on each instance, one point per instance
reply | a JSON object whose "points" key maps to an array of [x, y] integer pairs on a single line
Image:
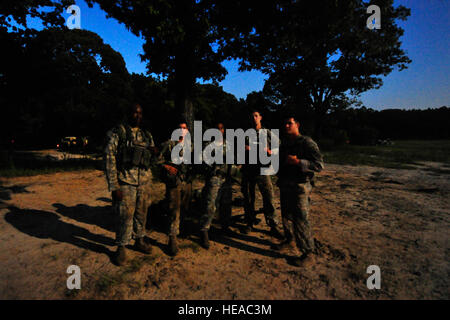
{"points": [[396, 219]]}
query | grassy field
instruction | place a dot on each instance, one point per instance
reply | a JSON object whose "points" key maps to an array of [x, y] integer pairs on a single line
{"points": [[402, 154], [35, 167]]}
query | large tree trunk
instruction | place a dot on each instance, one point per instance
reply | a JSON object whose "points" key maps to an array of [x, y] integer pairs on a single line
{"points": [[184, 83], [320, 112], [183, 104]]}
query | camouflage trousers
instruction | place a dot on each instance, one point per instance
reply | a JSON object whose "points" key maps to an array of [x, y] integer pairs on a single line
{"points": [[179, 198], [248, 188], [132, 213], [295, 204], [217, 200]]}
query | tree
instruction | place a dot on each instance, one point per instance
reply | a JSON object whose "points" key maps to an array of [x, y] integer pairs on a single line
{"points": [[180, 41], [14, 32], [14, 13], [67, 82], [318, 53], [214, 105], [153, 95]]}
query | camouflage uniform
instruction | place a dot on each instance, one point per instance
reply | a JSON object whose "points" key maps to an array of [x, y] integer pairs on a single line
{"points": [[178, 187], [296, 183], [217, 194], [251, 176], [127, 167]]}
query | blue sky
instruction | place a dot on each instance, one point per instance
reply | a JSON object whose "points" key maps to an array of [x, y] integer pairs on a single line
{"points": [[426, 40]]}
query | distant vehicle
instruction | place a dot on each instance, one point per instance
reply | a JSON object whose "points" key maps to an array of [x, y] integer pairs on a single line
{"points": [[385, 142], [72, 143]]}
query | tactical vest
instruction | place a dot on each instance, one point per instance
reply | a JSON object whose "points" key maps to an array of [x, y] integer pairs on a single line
{"points": [[222, 170], [184, 171], [129, 154]]}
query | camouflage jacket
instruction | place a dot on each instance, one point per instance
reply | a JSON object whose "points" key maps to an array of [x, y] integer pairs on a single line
{"points": [[254, 169], [184, 171], [116, 171], [216, 169], [311, 160]]}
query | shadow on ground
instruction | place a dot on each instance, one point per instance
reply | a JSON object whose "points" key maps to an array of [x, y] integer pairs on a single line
{"points": [[47, 225], [5, 192], [101, 216]]}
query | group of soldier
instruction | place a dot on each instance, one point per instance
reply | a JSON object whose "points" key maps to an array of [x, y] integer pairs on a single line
{"points": [[131, 152]]}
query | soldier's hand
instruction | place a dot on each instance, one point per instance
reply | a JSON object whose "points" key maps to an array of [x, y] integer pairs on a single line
{"points": [[172, 171], [117, 195], [247, 148], [292, 160], [269, 152]]}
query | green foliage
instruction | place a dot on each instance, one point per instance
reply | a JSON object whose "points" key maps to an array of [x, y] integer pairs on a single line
{"points": [[17, 11], [212, 105], [181, 42], [180, 35], [320, 54], [74, 84]]}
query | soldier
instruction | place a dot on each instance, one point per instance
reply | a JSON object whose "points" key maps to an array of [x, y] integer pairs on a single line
{"points": [[178, 180], [300, 158], [251, 177], [217, 194], [128, 155]]}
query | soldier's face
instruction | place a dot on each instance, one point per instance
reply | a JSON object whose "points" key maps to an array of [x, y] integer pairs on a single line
{"points": [[256, 118], [291, 127], [184, 130], [136, 116], [221, 128]]}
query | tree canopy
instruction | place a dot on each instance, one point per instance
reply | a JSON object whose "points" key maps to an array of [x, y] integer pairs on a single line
{"points": [[320, 54], [181, 41], [63, 82]]}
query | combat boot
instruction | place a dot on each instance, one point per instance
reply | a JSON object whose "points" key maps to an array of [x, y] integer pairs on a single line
{"points": [[173, 245], [305, 261], [142, 246], [274, 232], [225, 230], [204, 239], [282, 245], [247, 229], [121, 255]]}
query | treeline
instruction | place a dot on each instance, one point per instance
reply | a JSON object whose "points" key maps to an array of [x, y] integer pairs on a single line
{"points": [[318, 57], [365, 125]]}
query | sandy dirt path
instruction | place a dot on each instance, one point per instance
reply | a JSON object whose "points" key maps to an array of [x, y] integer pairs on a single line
{"points": [[361, 216]]}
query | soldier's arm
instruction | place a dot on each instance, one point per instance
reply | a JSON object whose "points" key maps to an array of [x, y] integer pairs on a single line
{"points": [[151, 142], [165, 158], [273, 142], [111, 161], [165, 153], [314, 163]]}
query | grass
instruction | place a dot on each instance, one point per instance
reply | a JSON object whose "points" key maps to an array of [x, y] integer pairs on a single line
{"points": [[106, 281], [29, 167], [401, 155], [71, 294]]}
